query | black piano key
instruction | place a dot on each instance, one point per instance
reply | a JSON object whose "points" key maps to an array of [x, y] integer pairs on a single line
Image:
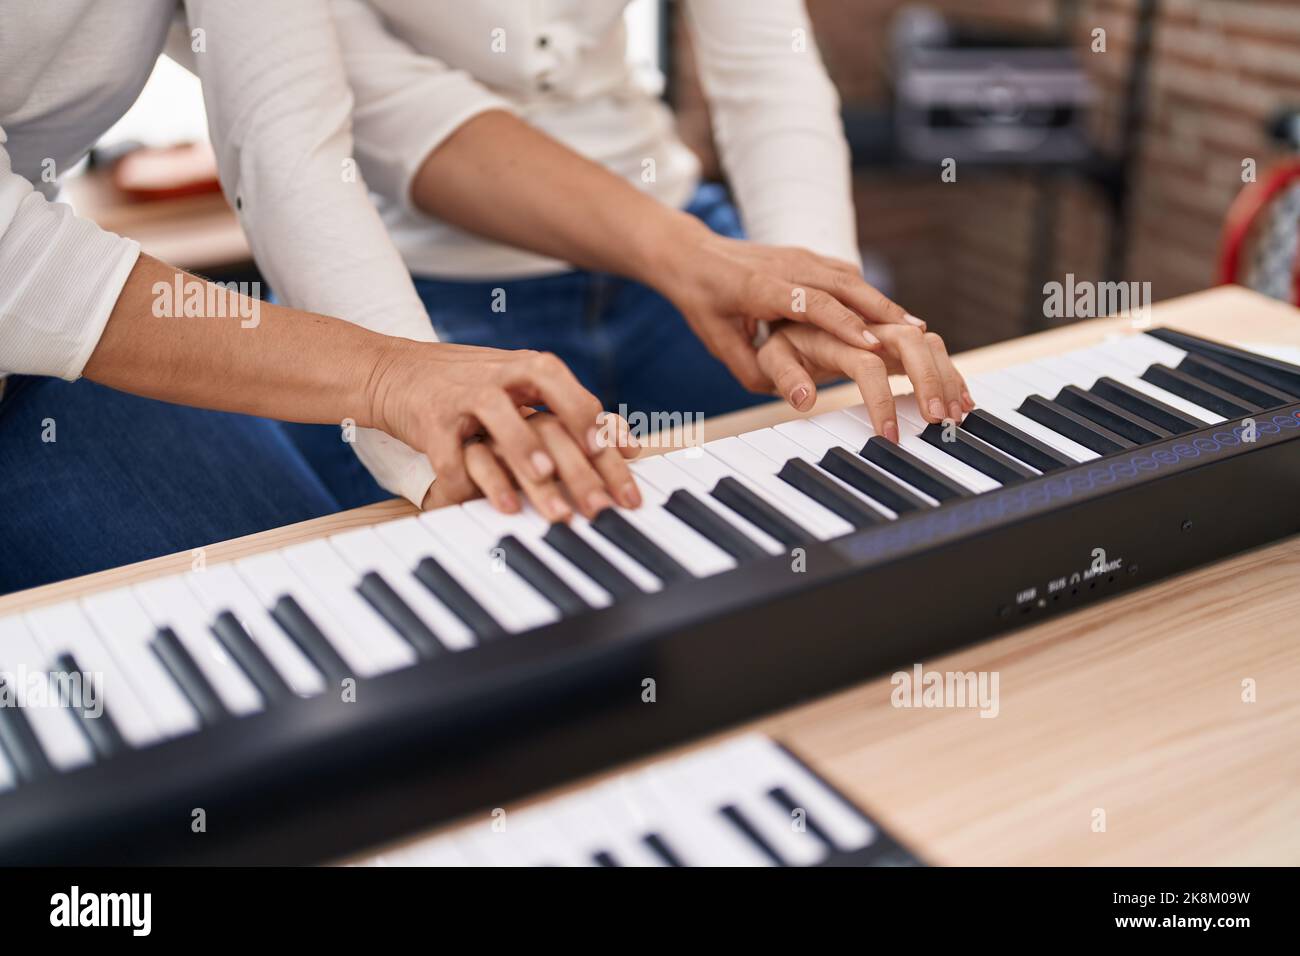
{"points": [[1073, 425], [19, 741], [659, 846], [872, 482], [821, 488], [1280, 375], [604, 858], [694, 512], [736, 817], [245, 652], [1198, 392], [619, 532], [1013, 441], [459, 601], [782, 798], [1235, 383], [1139, 403], [101, 731], [302, 630], [590, 562], [761, 513], [380, 595], [978, 453], [542, 579], [185, 673], [1109, 415], [905, 466]]}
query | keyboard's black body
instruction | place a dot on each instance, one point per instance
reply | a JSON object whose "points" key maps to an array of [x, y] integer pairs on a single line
{"points": [[316, 778]]}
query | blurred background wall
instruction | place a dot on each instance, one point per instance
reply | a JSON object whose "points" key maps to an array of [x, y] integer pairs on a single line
{"points": [[962, 257]]}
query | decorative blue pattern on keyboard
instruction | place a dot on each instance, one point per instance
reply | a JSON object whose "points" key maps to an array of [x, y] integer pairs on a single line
{"points": [[997, 506]]}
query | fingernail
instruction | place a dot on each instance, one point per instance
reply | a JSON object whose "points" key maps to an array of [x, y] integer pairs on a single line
{"points": [[595, 443], [508, 502], [936, 408], [598, 501], [799, 396], [630, 495], [542, 464], [869, 338], [955, 409], [891, 430], [559, 508], [965, 397], [913, 320]]}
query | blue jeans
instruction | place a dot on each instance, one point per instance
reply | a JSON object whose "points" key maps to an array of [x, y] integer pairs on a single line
{"points": [[129, 478], [625, 342]]}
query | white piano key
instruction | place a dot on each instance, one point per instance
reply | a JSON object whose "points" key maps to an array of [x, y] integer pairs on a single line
{"points": [[365, 551], [412, 542], [773, 444], [583, 821], [1150, 348], [510, 594], [1126, 376], [220, 588], [631, 568], [171, 603], [817, 439], [658, 472], [271, 577], [1006, 413], [721, 778], [770, 766], [23, 662], [488, 847], [675, 786], [1013, 390], [1037, 379], [683, 543], [692, 833], [127, 632], [61, 629], [530, 528], [855, 432], [760, 472], [320, 566], [910, 426], [436, 851]]}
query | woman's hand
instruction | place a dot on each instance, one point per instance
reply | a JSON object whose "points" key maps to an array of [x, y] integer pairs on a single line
{"points": [[725, 287], [467, 409], [797, 356]]}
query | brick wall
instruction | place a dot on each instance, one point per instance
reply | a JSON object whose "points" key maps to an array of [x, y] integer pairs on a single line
{"points": [[960, 253]]}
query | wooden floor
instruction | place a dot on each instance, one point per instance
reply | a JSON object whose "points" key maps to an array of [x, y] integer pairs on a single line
{"points": [[1124, 735]]}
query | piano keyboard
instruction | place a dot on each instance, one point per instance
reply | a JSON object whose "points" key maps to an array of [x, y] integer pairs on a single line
{"points": [[178, 657], [745, 802]]}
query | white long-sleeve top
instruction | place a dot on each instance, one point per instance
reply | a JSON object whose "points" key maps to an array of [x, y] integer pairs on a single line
{"points": [[420, 68], [278, 109]]}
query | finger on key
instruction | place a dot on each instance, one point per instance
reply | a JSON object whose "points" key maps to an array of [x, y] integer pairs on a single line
{"points": [[514, 441], [585, 485], [613, 431], [867, 370], [953, 385], [780, 362], [491, 477], [909, 344]]}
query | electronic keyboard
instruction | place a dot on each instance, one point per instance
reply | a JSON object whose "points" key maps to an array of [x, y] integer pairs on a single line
{"points": [[301, 704], [745, 802]]}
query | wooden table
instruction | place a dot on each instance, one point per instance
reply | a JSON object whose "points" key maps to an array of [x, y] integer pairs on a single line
{"points": [[1133, 707]]}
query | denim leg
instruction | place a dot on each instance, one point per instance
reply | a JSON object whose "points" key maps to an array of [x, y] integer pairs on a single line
{"points": [[129, 478], [558, 313]]}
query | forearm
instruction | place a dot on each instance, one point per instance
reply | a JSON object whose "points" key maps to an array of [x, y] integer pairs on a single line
{"points": [[501, 178], [239, 355]]}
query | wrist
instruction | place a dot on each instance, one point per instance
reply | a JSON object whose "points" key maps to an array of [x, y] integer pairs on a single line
{"points": [[665, 250], [383, 384]]}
